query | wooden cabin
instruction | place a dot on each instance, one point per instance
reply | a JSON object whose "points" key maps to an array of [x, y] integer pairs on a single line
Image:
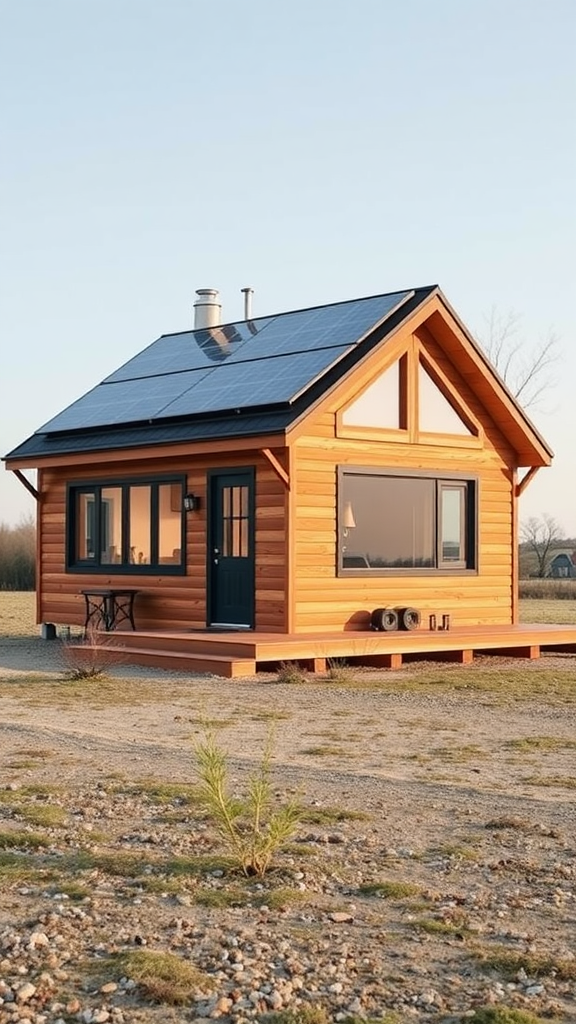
{"points": [[289, 475]]}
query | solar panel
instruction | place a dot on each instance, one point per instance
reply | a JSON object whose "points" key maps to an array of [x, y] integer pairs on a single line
{"points": [[262, 382], [123, 402], [236, 366], [341, 324]]}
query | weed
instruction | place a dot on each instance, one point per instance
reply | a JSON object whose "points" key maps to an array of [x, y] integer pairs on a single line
{"points": [[73, 890], [339, 671], [251, 830], [389, 890], [162, 977], [291, 672], [90, 657]]}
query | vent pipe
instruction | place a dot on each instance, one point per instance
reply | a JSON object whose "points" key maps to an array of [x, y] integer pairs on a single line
{"points": [[207, 308], [248, 293]]}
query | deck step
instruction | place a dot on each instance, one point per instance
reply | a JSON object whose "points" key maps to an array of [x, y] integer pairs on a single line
{"points": [[205, 664]]}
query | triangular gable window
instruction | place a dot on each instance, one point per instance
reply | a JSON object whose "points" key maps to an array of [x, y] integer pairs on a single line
{"points": [[379, 406], [436, 415]]}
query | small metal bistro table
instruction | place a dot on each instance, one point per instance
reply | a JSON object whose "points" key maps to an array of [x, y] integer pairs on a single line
{"points": [[107, 607]]}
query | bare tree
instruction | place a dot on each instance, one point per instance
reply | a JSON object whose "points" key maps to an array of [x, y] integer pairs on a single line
{"points": [[539, 534], [527, 369]]}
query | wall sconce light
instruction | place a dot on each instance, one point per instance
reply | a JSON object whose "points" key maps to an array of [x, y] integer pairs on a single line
{"points": [[191, 502], [348, 521]]}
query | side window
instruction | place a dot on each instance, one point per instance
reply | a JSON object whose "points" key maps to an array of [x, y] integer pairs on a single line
{"points": [[401, 523]]}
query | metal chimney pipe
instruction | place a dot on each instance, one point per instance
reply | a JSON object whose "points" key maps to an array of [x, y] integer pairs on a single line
{"points": [[248, 293], [207, 308]]}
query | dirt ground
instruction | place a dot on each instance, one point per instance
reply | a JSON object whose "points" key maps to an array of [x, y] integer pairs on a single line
{"points": [[459, 792]]}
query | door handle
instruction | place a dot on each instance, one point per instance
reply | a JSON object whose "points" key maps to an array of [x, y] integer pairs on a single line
{"points": [[216, 560]]}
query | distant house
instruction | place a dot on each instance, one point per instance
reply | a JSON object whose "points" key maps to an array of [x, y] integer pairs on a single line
{"points": [[290, 473], [563, 566]]}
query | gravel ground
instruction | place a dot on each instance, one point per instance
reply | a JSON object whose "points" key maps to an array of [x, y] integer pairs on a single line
{"points": [[433, 871]]}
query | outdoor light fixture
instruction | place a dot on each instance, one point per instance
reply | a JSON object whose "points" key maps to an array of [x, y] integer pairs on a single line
{"points": [[191, 502]]}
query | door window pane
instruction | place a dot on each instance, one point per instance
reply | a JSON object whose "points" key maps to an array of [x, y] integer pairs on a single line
{"points": [[235, 522], [140, 522]]}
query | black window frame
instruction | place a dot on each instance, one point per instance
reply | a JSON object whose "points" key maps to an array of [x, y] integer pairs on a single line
{"points": [[467, 566], [125, 566]]}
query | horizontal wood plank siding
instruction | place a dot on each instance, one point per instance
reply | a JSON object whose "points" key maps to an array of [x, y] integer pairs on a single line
{"points": [[322, 600], [165, 602]]}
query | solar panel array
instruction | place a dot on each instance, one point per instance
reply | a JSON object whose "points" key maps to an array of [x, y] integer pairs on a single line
{"points": [[266, 361]]}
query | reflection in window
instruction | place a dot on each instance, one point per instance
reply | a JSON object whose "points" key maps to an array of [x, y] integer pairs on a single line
{"points": [[390, 521], [435, 414], [379, 406]]}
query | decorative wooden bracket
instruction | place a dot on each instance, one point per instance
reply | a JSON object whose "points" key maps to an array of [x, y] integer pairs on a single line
{"points": [[29, 487], [276, 466], [526, 479]]}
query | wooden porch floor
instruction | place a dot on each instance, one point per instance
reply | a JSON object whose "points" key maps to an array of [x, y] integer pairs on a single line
{"points": [[237, 654]]}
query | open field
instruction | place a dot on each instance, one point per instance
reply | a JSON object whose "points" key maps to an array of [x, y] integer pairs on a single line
{"points": [[431, 877]]}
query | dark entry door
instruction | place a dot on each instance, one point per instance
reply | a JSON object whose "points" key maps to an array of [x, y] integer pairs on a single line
{"points": [[231, 550]]}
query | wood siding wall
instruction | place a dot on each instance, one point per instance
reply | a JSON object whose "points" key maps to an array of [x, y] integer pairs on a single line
{"points": [[346, 602], [165, 602]]}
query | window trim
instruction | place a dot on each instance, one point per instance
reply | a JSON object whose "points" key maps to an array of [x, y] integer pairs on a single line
{"points": [[465, 567], [91, 567]]}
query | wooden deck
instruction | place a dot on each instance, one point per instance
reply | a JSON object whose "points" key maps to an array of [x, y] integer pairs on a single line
{"points": [[239, 653]]}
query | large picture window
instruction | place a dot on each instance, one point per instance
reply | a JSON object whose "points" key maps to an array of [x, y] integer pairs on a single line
{"points": [[129, 526], [394, 522]]}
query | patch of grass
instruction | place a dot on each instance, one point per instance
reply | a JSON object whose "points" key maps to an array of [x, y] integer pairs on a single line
{"points": [[505, 1015], [231, 896], [22, 840], [16, 867], [459, 755], [508, 962], [330, 815], [162, 977], [558, 781], [281, 898], [438, 926], [164, 792], [541, 743], [114, 862], [509, 821], [303, 1015], [42, 815], [326, 750], [455, 851], [203, 865], [73, 890], [389, 890]]}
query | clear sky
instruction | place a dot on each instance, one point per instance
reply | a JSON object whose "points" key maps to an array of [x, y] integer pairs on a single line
{"points": [[317, 151]]}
